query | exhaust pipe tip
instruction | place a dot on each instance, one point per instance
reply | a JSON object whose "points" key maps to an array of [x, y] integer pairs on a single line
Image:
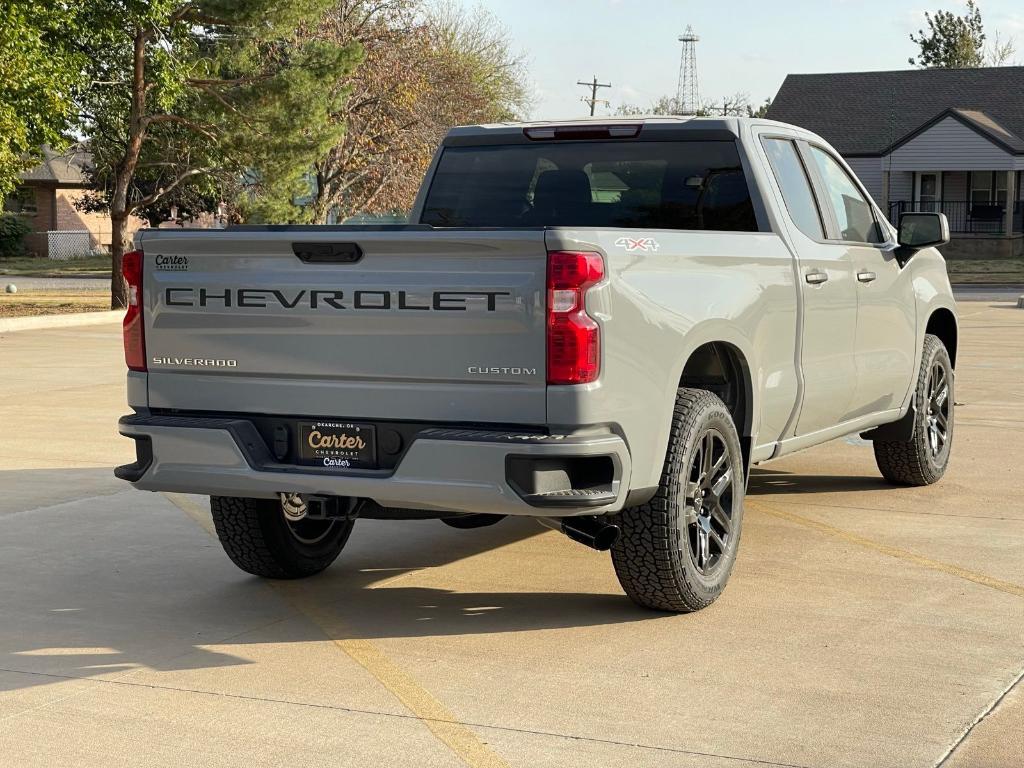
{"points": [[606, 537], [593, 532]]}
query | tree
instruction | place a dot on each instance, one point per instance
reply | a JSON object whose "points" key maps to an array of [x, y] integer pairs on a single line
{"points": [[737, 105], [425, 69], [952, 42], [38, 68], [762, 110], [1000, 51], [665, 105], [178, 92]]}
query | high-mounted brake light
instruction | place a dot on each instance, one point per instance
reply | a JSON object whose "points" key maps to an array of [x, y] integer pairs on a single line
{"points": [[574, 337], [134, 336], [582, 131]]}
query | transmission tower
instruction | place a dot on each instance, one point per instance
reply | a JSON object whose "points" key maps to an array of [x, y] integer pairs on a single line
{"points": [[687, 93]]}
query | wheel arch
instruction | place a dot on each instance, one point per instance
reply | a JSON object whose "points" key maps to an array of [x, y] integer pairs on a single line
{"points": [[942, 323], [721, 367]]}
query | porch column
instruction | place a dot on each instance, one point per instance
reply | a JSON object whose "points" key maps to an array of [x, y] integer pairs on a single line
{"points": [[885, 192], [1010, 194]]}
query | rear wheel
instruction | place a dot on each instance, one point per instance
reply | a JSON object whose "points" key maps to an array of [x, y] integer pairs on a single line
{"points": [[922, 460], [260, 540], [676, 552]]}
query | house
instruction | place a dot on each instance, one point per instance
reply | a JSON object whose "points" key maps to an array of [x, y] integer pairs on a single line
{"points": [[949, 140], [46, 197]]}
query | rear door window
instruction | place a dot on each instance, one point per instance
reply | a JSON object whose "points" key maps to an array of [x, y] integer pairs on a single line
{"points": [[613, 184], [796, 188]]}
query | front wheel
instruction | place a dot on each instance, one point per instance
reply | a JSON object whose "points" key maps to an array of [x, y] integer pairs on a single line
{"points": [[922, 460], [260, 540], [676, 552]]}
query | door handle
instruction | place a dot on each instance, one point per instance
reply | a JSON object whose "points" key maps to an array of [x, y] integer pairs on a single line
{"points": [[816, 278], [866, 277]]}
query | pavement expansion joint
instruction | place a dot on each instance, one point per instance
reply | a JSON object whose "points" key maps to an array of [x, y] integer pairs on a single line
{"points": [[945, 757], [413, 717]]}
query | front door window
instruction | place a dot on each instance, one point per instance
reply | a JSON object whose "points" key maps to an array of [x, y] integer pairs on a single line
{"points": [[929, 192]]}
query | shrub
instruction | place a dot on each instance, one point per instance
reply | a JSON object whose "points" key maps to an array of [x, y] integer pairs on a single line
{"points": [[13, 229]]}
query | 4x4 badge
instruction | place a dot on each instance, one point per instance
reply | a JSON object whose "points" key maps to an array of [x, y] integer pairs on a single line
{"points": [[637, 244]]}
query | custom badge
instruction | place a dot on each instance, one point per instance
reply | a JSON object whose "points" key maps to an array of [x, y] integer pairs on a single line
{"points": [[631, 244]]}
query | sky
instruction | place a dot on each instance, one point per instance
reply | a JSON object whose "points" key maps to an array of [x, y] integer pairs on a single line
{"points": [[745, 46]]}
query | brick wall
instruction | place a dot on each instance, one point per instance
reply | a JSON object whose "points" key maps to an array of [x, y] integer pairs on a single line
{"points": [[35, 243], [97, 224]]}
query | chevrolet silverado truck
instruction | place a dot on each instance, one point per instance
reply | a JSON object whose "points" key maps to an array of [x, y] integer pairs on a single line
{"points": [[600, 324]]}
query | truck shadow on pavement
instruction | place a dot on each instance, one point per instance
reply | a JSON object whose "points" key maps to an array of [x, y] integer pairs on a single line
{"points": [[368, 593], [106, 585], [124, 585], [765, 482]]}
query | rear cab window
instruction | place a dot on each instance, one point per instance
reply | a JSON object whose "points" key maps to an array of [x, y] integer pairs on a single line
{"points": [[681, 185]]}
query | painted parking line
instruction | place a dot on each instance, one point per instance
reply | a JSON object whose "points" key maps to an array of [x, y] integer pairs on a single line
{"points": [[901, 554], [438, 719]]}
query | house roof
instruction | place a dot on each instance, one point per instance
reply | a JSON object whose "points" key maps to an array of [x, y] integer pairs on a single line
{"points": [[865, 113], [982, 123], [62, 168]]}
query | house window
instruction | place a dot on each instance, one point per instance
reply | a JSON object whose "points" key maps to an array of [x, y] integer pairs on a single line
{"points": [[988, 188], [21, 200], [981, 188]]}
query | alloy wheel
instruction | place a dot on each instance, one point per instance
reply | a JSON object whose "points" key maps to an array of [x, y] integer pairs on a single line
{"points": [[709, 502], [937, 415]]}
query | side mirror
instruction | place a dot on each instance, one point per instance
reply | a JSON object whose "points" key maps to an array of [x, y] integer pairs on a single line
{"points": [[919, 230]]}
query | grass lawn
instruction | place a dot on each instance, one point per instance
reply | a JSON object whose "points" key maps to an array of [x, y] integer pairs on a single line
{"points": [[982, 271], [30, 266], [52, 302]]}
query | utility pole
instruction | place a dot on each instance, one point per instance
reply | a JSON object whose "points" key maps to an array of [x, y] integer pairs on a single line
{"points": [[593, 85]]}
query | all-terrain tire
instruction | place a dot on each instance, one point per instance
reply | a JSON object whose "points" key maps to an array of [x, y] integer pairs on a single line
{"points": [[654, 557], [915, 461], [259, 539]]}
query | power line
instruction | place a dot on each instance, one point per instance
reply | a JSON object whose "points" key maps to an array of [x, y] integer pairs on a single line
{"points": [[593, 101]]}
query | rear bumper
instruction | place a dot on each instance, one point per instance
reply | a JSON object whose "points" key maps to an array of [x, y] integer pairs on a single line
{"points": [[458, 470]]}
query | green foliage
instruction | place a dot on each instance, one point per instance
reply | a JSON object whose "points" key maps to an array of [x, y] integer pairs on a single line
{"points": [[38, 67], [761, 110], [230, 94], [951, 42], [13, 229]]}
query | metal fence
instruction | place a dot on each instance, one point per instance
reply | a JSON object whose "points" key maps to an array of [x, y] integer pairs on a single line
{"points": [[66, 244], [964, 216]]}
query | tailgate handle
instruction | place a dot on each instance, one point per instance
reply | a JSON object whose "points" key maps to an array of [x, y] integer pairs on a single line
{"points": [[328, 253]]}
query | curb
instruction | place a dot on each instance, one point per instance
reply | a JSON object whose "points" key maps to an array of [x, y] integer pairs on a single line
{"points": [[38, 322]]}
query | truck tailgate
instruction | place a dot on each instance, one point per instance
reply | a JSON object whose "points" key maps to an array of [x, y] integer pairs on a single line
{"points": [[435, 325]]}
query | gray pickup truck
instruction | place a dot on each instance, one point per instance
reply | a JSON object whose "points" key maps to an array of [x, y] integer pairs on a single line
{"points": [[600, 324]]}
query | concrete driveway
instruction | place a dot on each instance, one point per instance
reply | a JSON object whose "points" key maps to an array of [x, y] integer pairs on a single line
{"points": [[864, 625]]}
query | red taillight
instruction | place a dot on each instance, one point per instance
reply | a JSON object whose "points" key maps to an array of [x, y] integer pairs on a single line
{"points": [[574, 337], [134, 338]]}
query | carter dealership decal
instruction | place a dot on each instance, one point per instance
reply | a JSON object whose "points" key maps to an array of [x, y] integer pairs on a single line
{"points": [[171, 263]]}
